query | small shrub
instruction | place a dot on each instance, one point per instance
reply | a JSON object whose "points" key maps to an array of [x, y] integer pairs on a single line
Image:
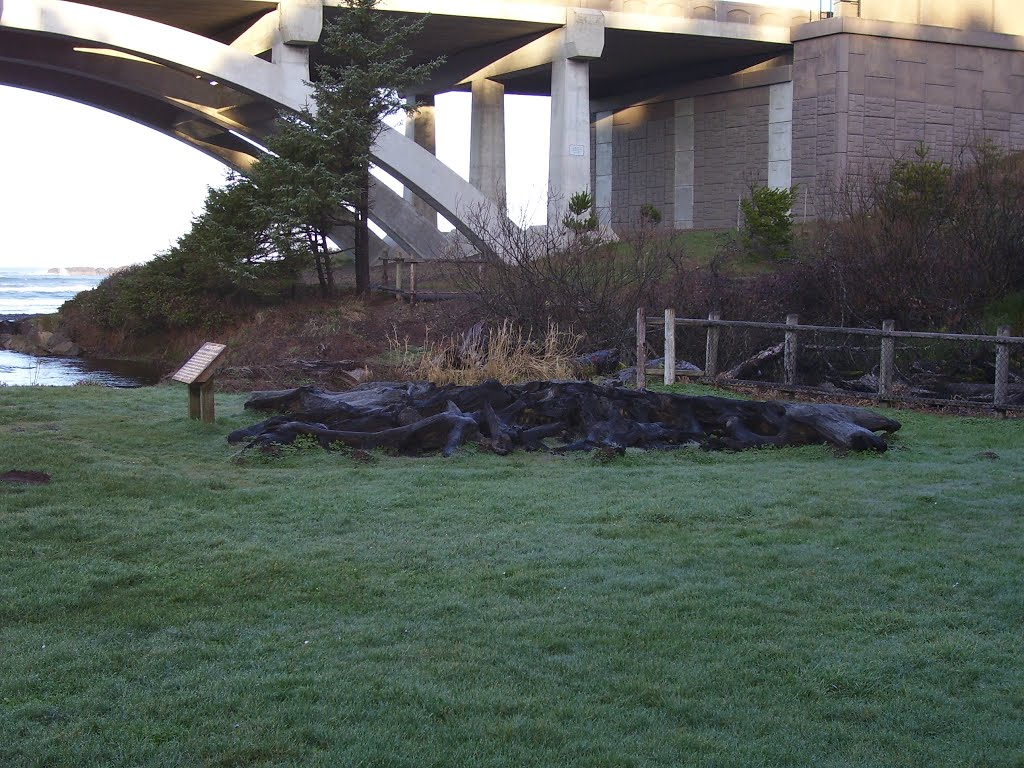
{"points": [[580, 217], [649, 214], [767, 230]]}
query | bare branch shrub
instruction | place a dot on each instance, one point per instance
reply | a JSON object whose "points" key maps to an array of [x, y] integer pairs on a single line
{"points": [[570, 278], [925, 243]]}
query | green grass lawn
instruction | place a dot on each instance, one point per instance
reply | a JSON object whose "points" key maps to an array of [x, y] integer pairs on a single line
{"points": [[168, 602]]}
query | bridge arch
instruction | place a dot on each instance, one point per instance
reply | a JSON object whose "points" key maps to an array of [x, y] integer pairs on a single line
{"points": [[209, 95]]}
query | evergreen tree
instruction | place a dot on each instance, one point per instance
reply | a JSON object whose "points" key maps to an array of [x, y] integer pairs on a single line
{"points": [[317, 178]]}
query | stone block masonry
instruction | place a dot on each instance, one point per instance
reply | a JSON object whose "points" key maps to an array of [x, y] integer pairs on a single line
{"points": [[692, 158], [863, 101], [731, 141]]}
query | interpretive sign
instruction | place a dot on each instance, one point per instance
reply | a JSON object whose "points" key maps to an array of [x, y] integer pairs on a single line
{"points": [[198, 374], [201, 365]]}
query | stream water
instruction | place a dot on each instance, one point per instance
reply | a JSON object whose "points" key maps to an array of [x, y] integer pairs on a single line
{"points": [[28, 291]]}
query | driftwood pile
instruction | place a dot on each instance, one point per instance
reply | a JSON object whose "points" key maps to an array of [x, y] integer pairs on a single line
{"points": [[558, 416]]}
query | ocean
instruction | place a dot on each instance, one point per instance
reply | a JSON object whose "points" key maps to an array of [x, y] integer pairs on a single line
{"points": [[33, 291], [28, 291]]}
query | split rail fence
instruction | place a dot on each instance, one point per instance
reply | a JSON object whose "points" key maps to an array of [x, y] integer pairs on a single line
{"points": [[415, 280], [791, 330]]}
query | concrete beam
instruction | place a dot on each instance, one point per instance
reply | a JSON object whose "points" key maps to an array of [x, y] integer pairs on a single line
{"points": [[584, 34], [415, 234], [301, 21], [528, 11], [539, 53], [450, 195], [581, 39], [260, 37], [487, 140]]}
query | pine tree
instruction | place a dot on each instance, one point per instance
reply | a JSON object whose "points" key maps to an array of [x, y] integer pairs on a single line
{"points": [[318, 175]]}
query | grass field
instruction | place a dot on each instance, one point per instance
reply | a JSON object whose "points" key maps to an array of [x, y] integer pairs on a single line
{"points": [[168, 602]]}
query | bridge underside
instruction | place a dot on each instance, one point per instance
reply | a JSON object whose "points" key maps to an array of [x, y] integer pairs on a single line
{"points": [[683, 105]]}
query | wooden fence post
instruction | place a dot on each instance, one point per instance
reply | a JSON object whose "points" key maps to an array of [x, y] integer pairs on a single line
{"points": [[641, 348], [669, 377], [789, 358], [1002, 369], [885, 365], [711, 348], [384, 272], [412, 282], [398, 280]]}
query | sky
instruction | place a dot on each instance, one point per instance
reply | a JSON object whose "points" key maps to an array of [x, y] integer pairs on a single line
{"points": [[80, 187]]}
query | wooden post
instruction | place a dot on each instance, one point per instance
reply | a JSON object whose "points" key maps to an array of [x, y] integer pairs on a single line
{"points": [[1002, 369], [412, 282], [206, 398], [398, 280], [384, 272], [790, 347], [669, 377], [885, 365], [711, 348], [641, 348], [197, 373], [195, 404]]}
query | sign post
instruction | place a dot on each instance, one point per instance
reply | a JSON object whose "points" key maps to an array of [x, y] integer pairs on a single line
{"points": [[198, 374]]}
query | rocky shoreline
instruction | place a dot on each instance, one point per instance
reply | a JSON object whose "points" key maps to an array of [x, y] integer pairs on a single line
{"points": [[26, 334]]}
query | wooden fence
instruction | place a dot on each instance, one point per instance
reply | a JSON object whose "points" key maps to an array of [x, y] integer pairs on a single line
{"points": [[790, 331], [411, 288]]}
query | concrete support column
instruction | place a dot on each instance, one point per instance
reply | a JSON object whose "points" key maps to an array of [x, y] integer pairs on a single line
{"points": [[684, 164], [780, 136], [421, 127], [569, 167], [570, 158], [293, 59], [603, 167], [487, 140]]}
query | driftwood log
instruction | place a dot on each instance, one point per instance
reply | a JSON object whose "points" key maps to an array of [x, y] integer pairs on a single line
{"points": [[569, 416]]}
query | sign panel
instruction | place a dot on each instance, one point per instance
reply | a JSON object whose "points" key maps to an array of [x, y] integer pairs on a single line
{"points": [[201, 365], [577, 150]]}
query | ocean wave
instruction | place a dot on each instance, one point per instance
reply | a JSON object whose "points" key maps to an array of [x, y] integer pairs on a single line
{"points": [[45, 289], [30, 306]]}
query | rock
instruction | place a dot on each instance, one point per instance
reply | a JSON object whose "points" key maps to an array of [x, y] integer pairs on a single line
{"points": [[66, 348], [18, 343]]}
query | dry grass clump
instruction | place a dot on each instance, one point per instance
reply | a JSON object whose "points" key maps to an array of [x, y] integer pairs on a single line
{"points": [[504, 352]]}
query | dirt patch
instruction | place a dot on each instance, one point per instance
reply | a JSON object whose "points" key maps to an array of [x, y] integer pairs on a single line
{"points": [[24, 477], [310, 340]]}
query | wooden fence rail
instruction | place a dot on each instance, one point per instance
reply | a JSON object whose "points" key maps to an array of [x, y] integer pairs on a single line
{"points": [[790, 331], [413, 291]]}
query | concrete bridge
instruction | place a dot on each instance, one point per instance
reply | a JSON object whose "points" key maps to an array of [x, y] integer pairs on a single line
{"points": [[678, 103]]}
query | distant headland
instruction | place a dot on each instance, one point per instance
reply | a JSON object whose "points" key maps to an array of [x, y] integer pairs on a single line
{"points": [[84, 270]]}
